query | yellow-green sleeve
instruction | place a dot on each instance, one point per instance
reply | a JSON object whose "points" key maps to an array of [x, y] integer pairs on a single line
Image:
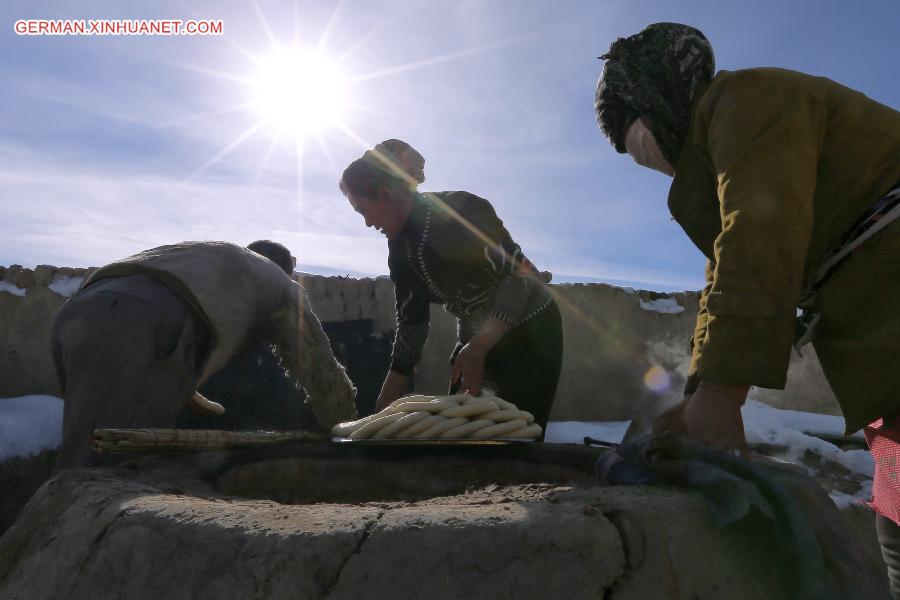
{"points": [[699, 333], [764, 142]]}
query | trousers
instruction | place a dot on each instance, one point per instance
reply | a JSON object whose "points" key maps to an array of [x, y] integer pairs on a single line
{"points": [[128, 352]]}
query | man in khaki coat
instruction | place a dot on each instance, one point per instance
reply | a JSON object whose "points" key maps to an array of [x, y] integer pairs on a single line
{"points": [[145, 332], [775, 173]]}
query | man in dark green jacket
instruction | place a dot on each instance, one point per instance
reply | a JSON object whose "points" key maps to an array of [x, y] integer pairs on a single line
{"points": [[774, 173]]}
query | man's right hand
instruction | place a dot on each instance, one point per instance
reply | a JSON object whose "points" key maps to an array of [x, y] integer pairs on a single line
{"points": [[711, 415]]}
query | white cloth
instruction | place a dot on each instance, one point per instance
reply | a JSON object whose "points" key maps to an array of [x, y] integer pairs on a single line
{"points": [[642, 146]]}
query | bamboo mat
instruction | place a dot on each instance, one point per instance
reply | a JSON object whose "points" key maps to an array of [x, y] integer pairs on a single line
{"points": [[116, 441]]}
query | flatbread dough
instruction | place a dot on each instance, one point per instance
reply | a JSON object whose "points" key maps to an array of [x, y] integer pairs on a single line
{"points": [[532, 431], [374, 425], [470, 410], [439, 428], [499, 429], [443, 417], [435, 406], [400, 424], [465, 429], [501, 416], [419, 427]]}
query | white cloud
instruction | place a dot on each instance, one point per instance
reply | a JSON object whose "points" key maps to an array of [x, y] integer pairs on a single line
{"points": [[623, 273], [87, 218]]}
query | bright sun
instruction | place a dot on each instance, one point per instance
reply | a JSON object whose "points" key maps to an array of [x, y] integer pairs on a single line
{"points": [[299, 93]]}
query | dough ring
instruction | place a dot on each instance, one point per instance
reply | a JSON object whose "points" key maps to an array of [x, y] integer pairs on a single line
{"points": [[205, 404], [532, 431], [466, 429], [501, 416], [470, 410], [439, 428], [419, 427], [500, 429], [477, 399], [434, 406], [458, 398], [348, 427], [416, 398], [446, 417], [376, 424], [504, 405], [403, 422]]}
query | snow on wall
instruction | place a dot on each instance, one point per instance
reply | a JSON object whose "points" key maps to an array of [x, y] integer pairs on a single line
{"points": [[13, 289], [65, 285], [29, 424], [662, 305]]}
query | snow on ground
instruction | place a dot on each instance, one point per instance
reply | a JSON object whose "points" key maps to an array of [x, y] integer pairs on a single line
{"points": [[65, 285], [11, 288], [662, 305], [842, 500], [766, 425], [574, 432], [763, 424], [29, 424], [764, 415]]}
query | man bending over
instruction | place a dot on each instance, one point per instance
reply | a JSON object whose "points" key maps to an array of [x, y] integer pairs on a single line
{"points": [[143, 333]]}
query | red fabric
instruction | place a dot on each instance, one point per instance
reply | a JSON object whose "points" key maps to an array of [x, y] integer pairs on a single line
{"points": [[884, 444]]}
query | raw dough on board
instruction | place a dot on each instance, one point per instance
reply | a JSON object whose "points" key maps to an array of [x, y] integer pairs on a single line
{"points": [[443, 417]]}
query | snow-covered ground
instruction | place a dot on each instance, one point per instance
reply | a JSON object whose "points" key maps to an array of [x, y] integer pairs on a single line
{"points": [[766, 425], [763, 425], [763, 417], [574, 432], [29, 424]]}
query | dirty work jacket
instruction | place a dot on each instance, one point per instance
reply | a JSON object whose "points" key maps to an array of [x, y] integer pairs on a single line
{"points": [[777, 166], [244, 298]]}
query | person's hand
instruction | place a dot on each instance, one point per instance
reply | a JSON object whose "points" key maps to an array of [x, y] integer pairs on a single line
{"points": [[468, 368], [670, 419], [382, 402], [393, 388], [711, 415]]}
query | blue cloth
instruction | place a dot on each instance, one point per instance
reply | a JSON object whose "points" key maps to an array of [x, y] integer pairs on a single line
{"points": [[735, 490]]}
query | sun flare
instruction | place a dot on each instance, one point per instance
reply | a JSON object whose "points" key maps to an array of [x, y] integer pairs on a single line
{"points": [[299, 93]]}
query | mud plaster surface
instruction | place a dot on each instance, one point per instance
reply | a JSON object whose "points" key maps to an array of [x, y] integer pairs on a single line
{"points": [[168, 530]]}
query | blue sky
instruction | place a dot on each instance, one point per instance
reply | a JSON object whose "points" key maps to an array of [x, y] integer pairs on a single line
{"points": [[107, 144]]}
